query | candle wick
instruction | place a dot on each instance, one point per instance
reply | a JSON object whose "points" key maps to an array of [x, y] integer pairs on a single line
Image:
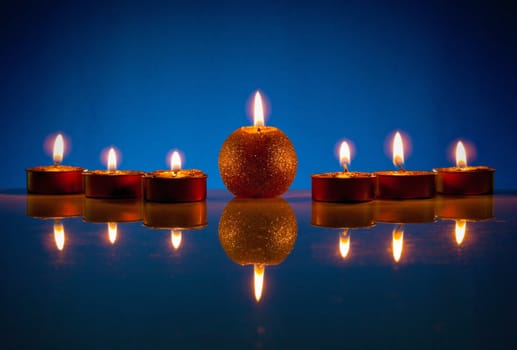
{"points": [[399, 227], [345, 166], [56, 163]]}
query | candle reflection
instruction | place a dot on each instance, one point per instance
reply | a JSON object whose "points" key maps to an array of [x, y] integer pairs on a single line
{"points": [[459, 230], [59, 235], [344, 243], [397, 243], [258, 280], [176, 238], [258, 232], [112, 232]]}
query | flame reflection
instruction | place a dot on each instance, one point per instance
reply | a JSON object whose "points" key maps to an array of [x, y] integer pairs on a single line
{"points": [[344, 243], [112, 232], [397, 242], [176, 239], [59, 235], [258, 280], [459, 230]]}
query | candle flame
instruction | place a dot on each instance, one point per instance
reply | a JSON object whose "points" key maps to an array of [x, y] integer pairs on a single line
{"points": [[59, 235], [112, 159], [58, 149], [398, 151], [112, 232], [459, 231], [397, 243], [176, 239], [258, 110], [175, 161], [344, 154], [461, 155], [344, 243], [258, 280]]}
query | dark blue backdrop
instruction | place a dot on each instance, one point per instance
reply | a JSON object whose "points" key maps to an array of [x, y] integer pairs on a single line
{"points": [[151, 76]]}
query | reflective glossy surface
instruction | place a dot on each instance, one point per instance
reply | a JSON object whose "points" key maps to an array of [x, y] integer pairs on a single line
{"points": [[436, 273]]}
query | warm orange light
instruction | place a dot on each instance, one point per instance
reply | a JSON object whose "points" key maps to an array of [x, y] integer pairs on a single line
{"points": [[112, 159], [175, 161], [344, 243], [344, 155], [176, 239], [461, 155], [398, 151], [459, 231], [258, 280], [397, 243], [112, 232], [59, 147], [258, 110], [59, 235]]}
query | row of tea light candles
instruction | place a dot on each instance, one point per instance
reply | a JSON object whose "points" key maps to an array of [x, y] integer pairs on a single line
{"points": [[241, 165]]}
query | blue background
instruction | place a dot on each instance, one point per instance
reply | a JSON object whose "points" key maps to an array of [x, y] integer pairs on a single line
{"points": [[151, 76]]}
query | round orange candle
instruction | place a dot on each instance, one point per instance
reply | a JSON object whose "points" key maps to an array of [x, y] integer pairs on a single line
{"points": [[113, 183], [257, 161], [403, 184], [464, 179], [175, 185], [343, 186], [55, 179]]}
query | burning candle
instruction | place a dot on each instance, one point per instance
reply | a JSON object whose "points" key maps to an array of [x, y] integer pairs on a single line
{"points": [[464, 179], [259, 233], [343, 186], [113, 183], [55, 179], [175, 185], [404, 184], [259, 160]]}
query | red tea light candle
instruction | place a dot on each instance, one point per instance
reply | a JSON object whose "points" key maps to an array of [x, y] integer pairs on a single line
{"points": [[113, 183], [464, 179], [175, 185], [404, 184], [257, 161], [343, 186], [55, 179]]}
